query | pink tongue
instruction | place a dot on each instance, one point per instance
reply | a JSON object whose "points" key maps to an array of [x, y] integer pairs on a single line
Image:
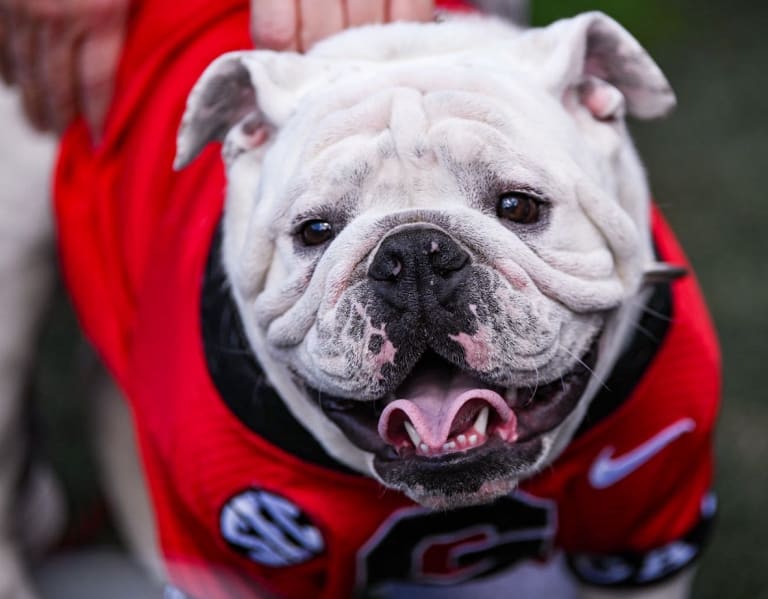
{"points": [[432, 403]]}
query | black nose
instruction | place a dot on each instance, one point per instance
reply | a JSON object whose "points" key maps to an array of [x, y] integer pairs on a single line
{"points": [[414, 267]]}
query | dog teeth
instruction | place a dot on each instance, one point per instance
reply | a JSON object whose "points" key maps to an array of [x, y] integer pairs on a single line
{"points": [[415, 439], [481, 424], [475, 436]]}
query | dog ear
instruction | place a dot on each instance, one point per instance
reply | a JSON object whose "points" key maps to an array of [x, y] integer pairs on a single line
{"points": [[241, 98], [597, 62]]}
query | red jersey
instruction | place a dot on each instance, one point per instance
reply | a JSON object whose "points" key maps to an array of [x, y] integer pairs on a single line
{"points": [[247, 504]]}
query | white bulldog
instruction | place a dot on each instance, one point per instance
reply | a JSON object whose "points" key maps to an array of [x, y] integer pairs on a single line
{"points": [[436, 236]]}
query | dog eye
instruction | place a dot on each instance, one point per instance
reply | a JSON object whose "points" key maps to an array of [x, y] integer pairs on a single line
{"points": [[518, 207], [315, 232]]}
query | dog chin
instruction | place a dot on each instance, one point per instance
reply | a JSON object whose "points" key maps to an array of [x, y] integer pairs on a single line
{"points": [[488, 492]]}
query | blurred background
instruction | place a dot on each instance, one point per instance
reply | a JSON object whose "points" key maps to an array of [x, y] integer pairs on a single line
{"points": [[706, 164]]}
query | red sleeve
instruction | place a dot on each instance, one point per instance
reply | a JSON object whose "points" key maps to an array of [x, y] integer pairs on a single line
{"points": [[659, 522], [642, 511], [111, 199]]}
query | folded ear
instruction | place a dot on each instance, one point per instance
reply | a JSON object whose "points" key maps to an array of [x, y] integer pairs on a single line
{"points": [[242, 98], [607, 68]]}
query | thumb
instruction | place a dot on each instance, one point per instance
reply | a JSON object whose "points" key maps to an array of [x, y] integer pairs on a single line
{"points": [[411, 10], [96, 71]]}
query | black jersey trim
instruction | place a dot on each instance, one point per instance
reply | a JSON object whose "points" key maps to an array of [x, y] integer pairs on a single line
{"points": [[238, 376], [650, 333]]}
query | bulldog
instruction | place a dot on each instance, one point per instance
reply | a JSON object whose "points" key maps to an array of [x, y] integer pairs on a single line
{"points": [[433, 245], [438, 327]]}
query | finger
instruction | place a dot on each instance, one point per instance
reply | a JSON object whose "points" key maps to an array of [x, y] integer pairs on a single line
{"points": [[15, 22], [274, 24], [319, 20], [58, 48], [360, 12], [96, 67], [6, 65], [24, 54], [411, 10]]}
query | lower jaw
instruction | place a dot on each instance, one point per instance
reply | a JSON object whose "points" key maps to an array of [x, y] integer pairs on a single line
{"points": [[488, 492], [458, 480], [471, 477]]}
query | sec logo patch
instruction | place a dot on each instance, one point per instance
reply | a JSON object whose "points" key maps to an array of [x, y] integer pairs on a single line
{"points": [[269, 529]]}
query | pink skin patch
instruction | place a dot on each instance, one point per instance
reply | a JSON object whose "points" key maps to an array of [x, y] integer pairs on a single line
{"points": [[476, 353], [385, 356], [604, 101], [256, 137], [475, 348]]}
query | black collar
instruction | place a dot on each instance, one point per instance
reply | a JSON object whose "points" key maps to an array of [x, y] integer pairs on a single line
{"points": [[244, 387], [238, 376], [650, 332]]}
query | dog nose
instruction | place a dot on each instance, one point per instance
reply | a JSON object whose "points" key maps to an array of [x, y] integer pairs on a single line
{"points": [[413, 266]]}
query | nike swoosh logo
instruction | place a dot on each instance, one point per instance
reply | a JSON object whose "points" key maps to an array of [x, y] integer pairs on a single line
{"points": [[607, 470]]}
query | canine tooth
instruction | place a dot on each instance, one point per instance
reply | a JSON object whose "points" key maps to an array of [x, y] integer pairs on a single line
{"points": [[462, 439], [449, 445], [423, 447], [481, 424], [415, 439], [472, 439]]}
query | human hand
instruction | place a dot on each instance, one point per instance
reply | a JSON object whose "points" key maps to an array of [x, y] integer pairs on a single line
{"points": [[298, 24], [63, 55]]}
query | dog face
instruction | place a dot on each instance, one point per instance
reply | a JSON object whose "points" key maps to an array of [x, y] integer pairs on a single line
{"points": [[434, 246]]}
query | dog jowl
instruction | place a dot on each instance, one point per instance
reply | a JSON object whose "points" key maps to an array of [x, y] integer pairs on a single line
{"points": [[435, 248]]}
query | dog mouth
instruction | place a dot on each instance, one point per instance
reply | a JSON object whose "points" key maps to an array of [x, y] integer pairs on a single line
{"points": [[441, 410], [441, 413]]}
